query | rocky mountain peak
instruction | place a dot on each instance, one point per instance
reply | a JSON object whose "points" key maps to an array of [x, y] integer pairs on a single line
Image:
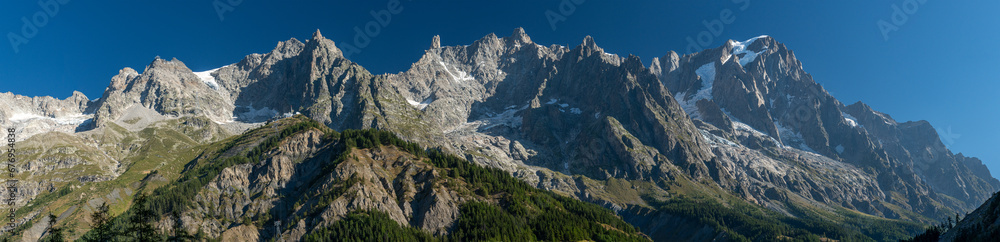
{"points": [[590, 46], [319, 45], [520, 37], [159, 63], [633, 62], [654, 66], [120, 81], [861, 106], [77, 95], [490, 43], [317, 35], [288, 48]]}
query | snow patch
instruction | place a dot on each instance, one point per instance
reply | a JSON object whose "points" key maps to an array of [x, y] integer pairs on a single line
{"points": [[575, 111], [741, 48], [853, 122], [707, 74], [73, 119], [746, 128], [462, 76], [791, 137], [420, 105], [20, 117], [714, 140], [206, 76], [840, 149], [552, 101]]}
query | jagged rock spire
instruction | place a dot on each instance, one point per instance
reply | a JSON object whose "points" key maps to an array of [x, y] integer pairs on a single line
{"points": [[590, 45], [436, 42], [520, 35], [317, 35]]}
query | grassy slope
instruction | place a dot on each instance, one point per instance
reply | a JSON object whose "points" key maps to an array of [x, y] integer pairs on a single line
{"points": [[162, 148]]}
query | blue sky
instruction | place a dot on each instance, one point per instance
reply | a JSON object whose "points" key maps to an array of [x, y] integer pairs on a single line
{"points": [[939, 65]]}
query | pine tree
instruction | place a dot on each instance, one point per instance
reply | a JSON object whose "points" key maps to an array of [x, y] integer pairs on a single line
{"points": [[140, 224], [55, 233], [101, 224]]}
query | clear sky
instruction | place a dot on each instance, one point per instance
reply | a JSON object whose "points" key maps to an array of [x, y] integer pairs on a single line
{"points": [[939, 62]]}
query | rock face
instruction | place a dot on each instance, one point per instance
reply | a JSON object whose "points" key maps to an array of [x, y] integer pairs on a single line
{"points": [[35, 115], [955, 175], [760, 85], [167, 87], [743, 118], [558, 101], [383, 179]]}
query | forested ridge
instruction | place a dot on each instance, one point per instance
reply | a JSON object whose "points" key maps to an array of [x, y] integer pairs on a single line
{"points": [[519, 211]]}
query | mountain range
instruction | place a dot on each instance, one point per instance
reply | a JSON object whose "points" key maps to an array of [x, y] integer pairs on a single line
{"points": [[739, 131]]}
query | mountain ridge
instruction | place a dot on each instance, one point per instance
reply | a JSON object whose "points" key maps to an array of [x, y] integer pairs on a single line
{"points": [[744, 118]]}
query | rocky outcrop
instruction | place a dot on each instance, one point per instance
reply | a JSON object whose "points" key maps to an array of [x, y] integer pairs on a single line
{"points": [[168, 87], [385, 179], [957, 176], [759, 86], [31, 116]]}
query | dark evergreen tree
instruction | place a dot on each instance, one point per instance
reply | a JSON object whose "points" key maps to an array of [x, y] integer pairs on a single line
{"points": [[55, 233], [141, 226], [101, 225]]}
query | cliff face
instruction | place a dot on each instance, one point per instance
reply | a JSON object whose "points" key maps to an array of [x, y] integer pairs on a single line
{"points": [[759, 84]]}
